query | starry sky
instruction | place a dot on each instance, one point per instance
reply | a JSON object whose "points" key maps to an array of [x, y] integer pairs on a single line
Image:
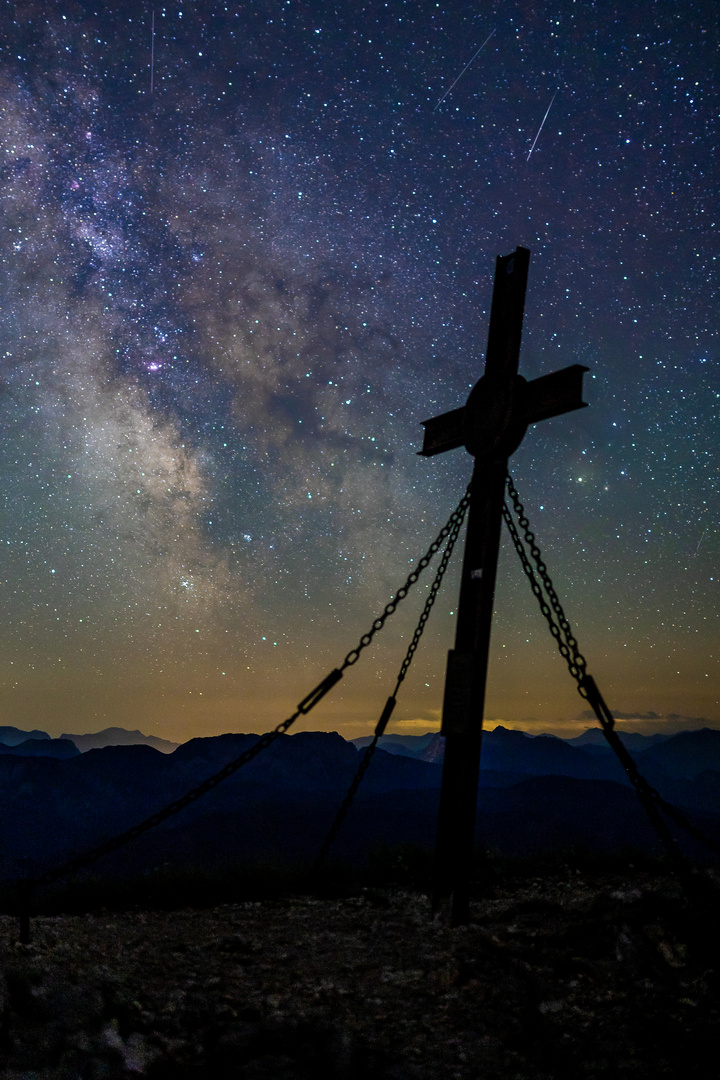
{"points": [[245, 256]]}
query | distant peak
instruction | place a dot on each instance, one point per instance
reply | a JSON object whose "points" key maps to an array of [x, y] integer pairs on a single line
{"points": [[117, 736]]}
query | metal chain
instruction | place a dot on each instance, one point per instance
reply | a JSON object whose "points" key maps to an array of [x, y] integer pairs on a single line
{"points": [[454, 522], [587, 688], [73, 865], [561, 631], [644, 789], [453, 534], [344, 807], [352, 791]]}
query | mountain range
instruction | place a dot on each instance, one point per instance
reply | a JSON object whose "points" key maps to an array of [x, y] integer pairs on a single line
{"points": [[12, 736], [39, 744], [426, 746], [116, 736], [536, 794]]}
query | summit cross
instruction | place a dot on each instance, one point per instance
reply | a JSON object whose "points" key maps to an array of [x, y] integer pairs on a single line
{"points": [[490, 426]]}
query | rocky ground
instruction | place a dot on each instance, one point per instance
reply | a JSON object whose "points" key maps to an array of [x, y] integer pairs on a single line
{"points": [[568, 975]]}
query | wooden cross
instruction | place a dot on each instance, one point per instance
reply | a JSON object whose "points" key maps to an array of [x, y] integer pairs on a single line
{"points": [[490, 426]]}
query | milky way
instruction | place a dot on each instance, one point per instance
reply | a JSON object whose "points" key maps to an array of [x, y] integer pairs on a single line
{"points": [[227, 305]]}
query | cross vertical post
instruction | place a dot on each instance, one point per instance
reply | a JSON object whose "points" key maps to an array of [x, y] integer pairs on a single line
{"points": [[491, 426], [467, 664]]}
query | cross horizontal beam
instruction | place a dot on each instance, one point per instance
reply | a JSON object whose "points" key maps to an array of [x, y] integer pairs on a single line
{"points": [[549, 395]]}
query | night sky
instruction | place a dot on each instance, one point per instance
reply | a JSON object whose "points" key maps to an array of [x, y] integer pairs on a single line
{"points": [[234, 283]]}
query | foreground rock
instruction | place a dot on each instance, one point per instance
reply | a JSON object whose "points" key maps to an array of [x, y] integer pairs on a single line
{"points": [[565, 976]]}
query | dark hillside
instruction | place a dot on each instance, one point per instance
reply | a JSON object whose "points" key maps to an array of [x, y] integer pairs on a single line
{"points": [[541, 795], [683, 755], [39, 747]]}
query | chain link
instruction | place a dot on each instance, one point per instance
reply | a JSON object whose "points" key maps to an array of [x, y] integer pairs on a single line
{"points": [[344, 807], [456, 520], [455, 524], [567, 644], [645, 790], [561, 631]]}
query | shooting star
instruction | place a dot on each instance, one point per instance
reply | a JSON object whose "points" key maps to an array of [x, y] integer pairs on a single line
{"points": [[152, 52], [543, 123], [440, 100]]}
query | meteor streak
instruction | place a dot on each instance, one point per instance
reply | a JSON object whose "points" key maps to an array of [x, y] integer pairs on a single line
{"points": [[440, 100], [543, 124]]}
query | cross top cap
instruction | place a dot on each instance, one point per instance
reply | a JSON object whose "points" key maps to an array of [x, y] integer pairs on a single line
{"points": [[502, 404], [492, 423]]}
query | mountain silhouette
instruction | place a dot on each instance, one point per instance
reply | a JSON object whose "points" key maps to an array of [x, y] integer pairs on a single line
{"points": [[409, 745], [116, 736], [535, 793], [633, 740], [12, 736], [54, 748], [511, 751], [683, 755]]}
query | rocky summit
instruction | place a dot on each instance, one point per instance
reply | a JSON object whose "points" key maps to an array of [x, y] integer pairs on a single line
{"points": [[571, 974]]}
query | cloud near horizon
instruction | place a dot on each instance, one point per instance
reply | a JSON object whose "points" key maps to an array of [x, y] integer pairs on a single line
{"points": [[647, 723], [659, 721]]}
